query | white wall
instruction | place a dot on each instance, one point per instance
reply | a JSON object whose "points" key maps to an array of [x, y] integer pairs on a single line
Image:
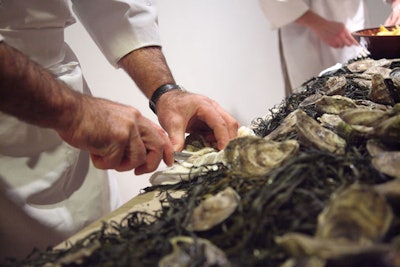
{"points": [[220, 48]]}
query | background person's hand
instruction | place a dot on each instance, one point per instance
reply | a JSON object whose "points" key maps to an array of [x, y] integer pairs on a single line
{"points": [[394, 17], [184, 112], [335, 34], [118, 137]]}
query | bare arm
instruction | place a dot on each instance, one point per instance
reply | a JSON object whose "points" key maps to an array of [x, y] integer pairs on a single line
{"points": [[32, 94], [332, 33], [117, 136]]}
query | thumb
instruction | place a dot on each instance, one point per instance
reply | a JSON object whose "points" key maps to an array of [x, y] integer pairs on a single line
{"points": [[177, 138]]}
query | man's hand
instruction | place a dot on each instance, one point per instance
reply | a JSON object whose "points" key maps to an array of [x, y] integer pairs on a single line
{"points": [[183, 112], [394, 17], [178, 112], [118, 137]]}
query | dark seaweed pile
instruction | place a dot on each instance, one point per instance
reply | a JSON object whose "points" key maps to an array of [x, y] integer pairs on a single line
{"points": [[289, 199]]}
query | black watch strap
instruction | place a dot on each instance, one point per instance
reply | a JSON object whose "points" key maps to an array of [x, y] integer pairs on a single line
{"points": [[159, 92]]}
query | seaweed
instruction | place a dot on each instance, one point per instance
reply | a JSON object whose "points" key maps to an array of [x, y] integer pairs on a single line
{"points": [[288, 199]]}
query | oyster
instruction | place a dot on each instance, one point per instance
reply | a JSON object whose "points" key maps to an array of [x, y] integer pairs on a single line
{"points": [[367, 104], [393, 84], [330, 121], [388, 162], [388, 131], [354, 220], [379, 92], [199, 163], [310, 100], [385, 72], [248, 156], [286, 128], [185, 249], [256, 156], [334, 104], [357, 214], [383, 159], [365, 117], [214, 210], [335, 85], [311, 133], [365, 64]]}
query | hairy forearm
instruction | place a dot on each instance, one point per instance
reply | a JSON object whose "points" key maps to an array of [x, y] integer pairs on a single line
{"points": [[32, 93], [148, 68]]}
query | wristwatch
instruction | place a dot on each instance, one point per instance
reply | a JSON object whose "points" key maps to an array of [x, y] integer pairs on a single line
{"points": [[160, 91]]}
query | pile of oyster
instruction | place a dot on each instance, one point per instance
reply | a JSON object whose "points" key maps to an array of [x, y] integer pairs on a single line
{"points": [[297, 187], [358, 216]]}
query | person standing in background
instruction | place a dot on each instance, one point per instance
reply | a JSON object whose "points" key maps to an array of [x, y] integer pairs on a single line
{"points": [[315, 34], [52, 138]]}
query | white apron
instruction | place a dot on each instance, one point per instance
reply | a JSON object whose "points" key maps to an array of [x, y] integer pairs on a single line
{"points": [[304, 55], [54, 182]]}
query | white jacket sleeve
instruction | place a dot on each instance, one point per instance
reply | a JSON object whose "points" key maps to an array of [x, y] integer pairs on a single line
{"points": [[117, 26], [282, 12]]}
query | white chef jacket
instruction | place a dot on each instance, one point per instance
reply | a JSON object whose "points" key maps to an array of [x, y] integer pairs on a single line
{"points": [[54, 182], [303, 54]]}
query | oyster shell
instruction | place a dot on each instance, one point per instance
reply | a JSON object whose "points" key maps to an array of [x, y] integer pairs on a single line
{"points": [[385, 72], [185, 249], [356, 214], [367, 104], [354, 219], [284, 129], [256, 156], [214, 210], [363, 117], [388, 131], [311, 133], [388, 162], [334, 104], [379, 92], [247, 156], [335, 85], [393, 84], [365, 64], [310, 100], [199, 163]]}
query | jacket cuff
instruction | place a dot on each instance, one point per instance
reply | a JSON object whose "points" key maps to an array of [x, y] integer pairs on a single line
{"points": [[119, 27]]}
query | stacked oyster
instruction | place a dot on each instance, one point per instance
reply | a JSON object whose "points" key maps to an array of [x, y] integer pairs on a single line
{"points": [[315, 182]]}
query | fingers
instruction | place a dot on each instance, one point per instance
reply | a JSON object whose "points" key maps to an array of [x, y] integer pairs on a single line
{"points": [[209, 120], [126, 140], [223, 125]]}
